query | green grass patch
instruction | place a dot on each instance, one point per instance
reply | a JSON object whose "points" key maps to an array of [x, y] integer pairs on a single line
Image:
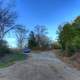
{"points": [[11, 59]]}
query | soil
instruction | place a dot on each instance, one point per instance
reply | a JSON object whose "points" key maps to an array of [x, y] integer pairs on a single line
{"points": [[40, 66]]}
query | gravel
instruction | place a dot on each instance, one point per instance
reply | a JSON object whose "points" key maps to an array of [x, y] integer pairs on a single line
{"points": [[43, 66]]}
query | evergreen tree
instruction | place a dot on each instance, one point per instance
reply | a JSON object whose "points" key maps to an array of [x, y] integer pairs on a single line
{"points": [[32, 40]]}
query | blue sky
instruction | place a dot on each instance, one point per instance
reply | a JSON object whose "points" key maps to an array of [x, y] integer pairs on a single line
{"points": [[50, 13]]}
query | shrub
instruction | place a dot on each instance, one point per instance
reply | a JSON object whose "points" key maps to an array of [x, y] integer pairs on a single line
{"points": [[71, 51], [4, 49], [56, 45]]}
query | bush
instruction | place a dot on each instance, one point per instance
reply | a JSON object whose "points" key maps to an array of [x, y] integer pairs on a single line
{"points": [[11, 59], [69, 51], [4, 48], [56, 46]]}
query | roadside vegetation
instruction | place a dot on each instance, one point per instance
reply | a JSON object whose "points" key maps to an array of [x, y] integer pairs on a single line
{"points": [[8, 24], [69, 41], [8, 56], [10, 59], [69, 37], [36, 40]]}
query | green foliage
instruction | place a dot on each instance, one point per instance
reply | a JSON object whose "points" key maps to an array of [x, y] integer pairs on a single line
{"points": [[69, 36], [9, 56], [32, 40], [10, 59], [38, 39]]}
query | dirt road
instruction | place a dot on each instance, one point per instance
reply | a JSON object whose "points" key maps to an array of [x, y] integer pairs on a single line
{"points": [[40, 66]]}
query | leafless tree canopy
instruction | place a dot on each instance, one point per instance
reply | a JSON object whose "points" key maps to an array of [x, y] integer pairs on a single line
{"points": [[7, 19], [40, 31], [21, 35]]}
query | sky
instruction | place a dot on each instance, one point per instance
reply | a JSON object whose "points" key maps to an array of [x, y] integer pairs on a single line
{"points": [[50, 13]]}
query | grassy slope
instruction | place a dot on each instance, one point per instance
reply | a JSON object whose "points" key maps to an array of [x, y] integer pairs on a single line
{"points": [[10, 59]]}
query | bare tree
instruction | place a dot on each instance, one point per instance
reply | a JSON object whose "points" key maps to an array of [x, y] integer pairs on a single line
{"points": [[7, 18], [40, 31], [21, 35]]}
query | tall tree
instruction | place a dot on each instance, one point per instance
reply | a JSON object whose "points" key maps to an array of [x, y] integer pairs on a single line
{"points": [[40, 32], [76, 41], [7, 18], [21, 35], [66, 36], [69, 36], [32, 40]]}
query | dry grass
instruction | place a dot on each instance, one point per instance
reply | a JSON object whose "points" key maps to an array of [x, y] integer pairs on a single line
{"points": [[40, 49], [73, 61]]}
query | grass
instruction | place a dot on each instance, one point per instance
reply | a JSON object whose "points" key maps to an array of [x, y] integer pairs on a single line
{"points": [[65, 59], [11, 59], [68, 60]]}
